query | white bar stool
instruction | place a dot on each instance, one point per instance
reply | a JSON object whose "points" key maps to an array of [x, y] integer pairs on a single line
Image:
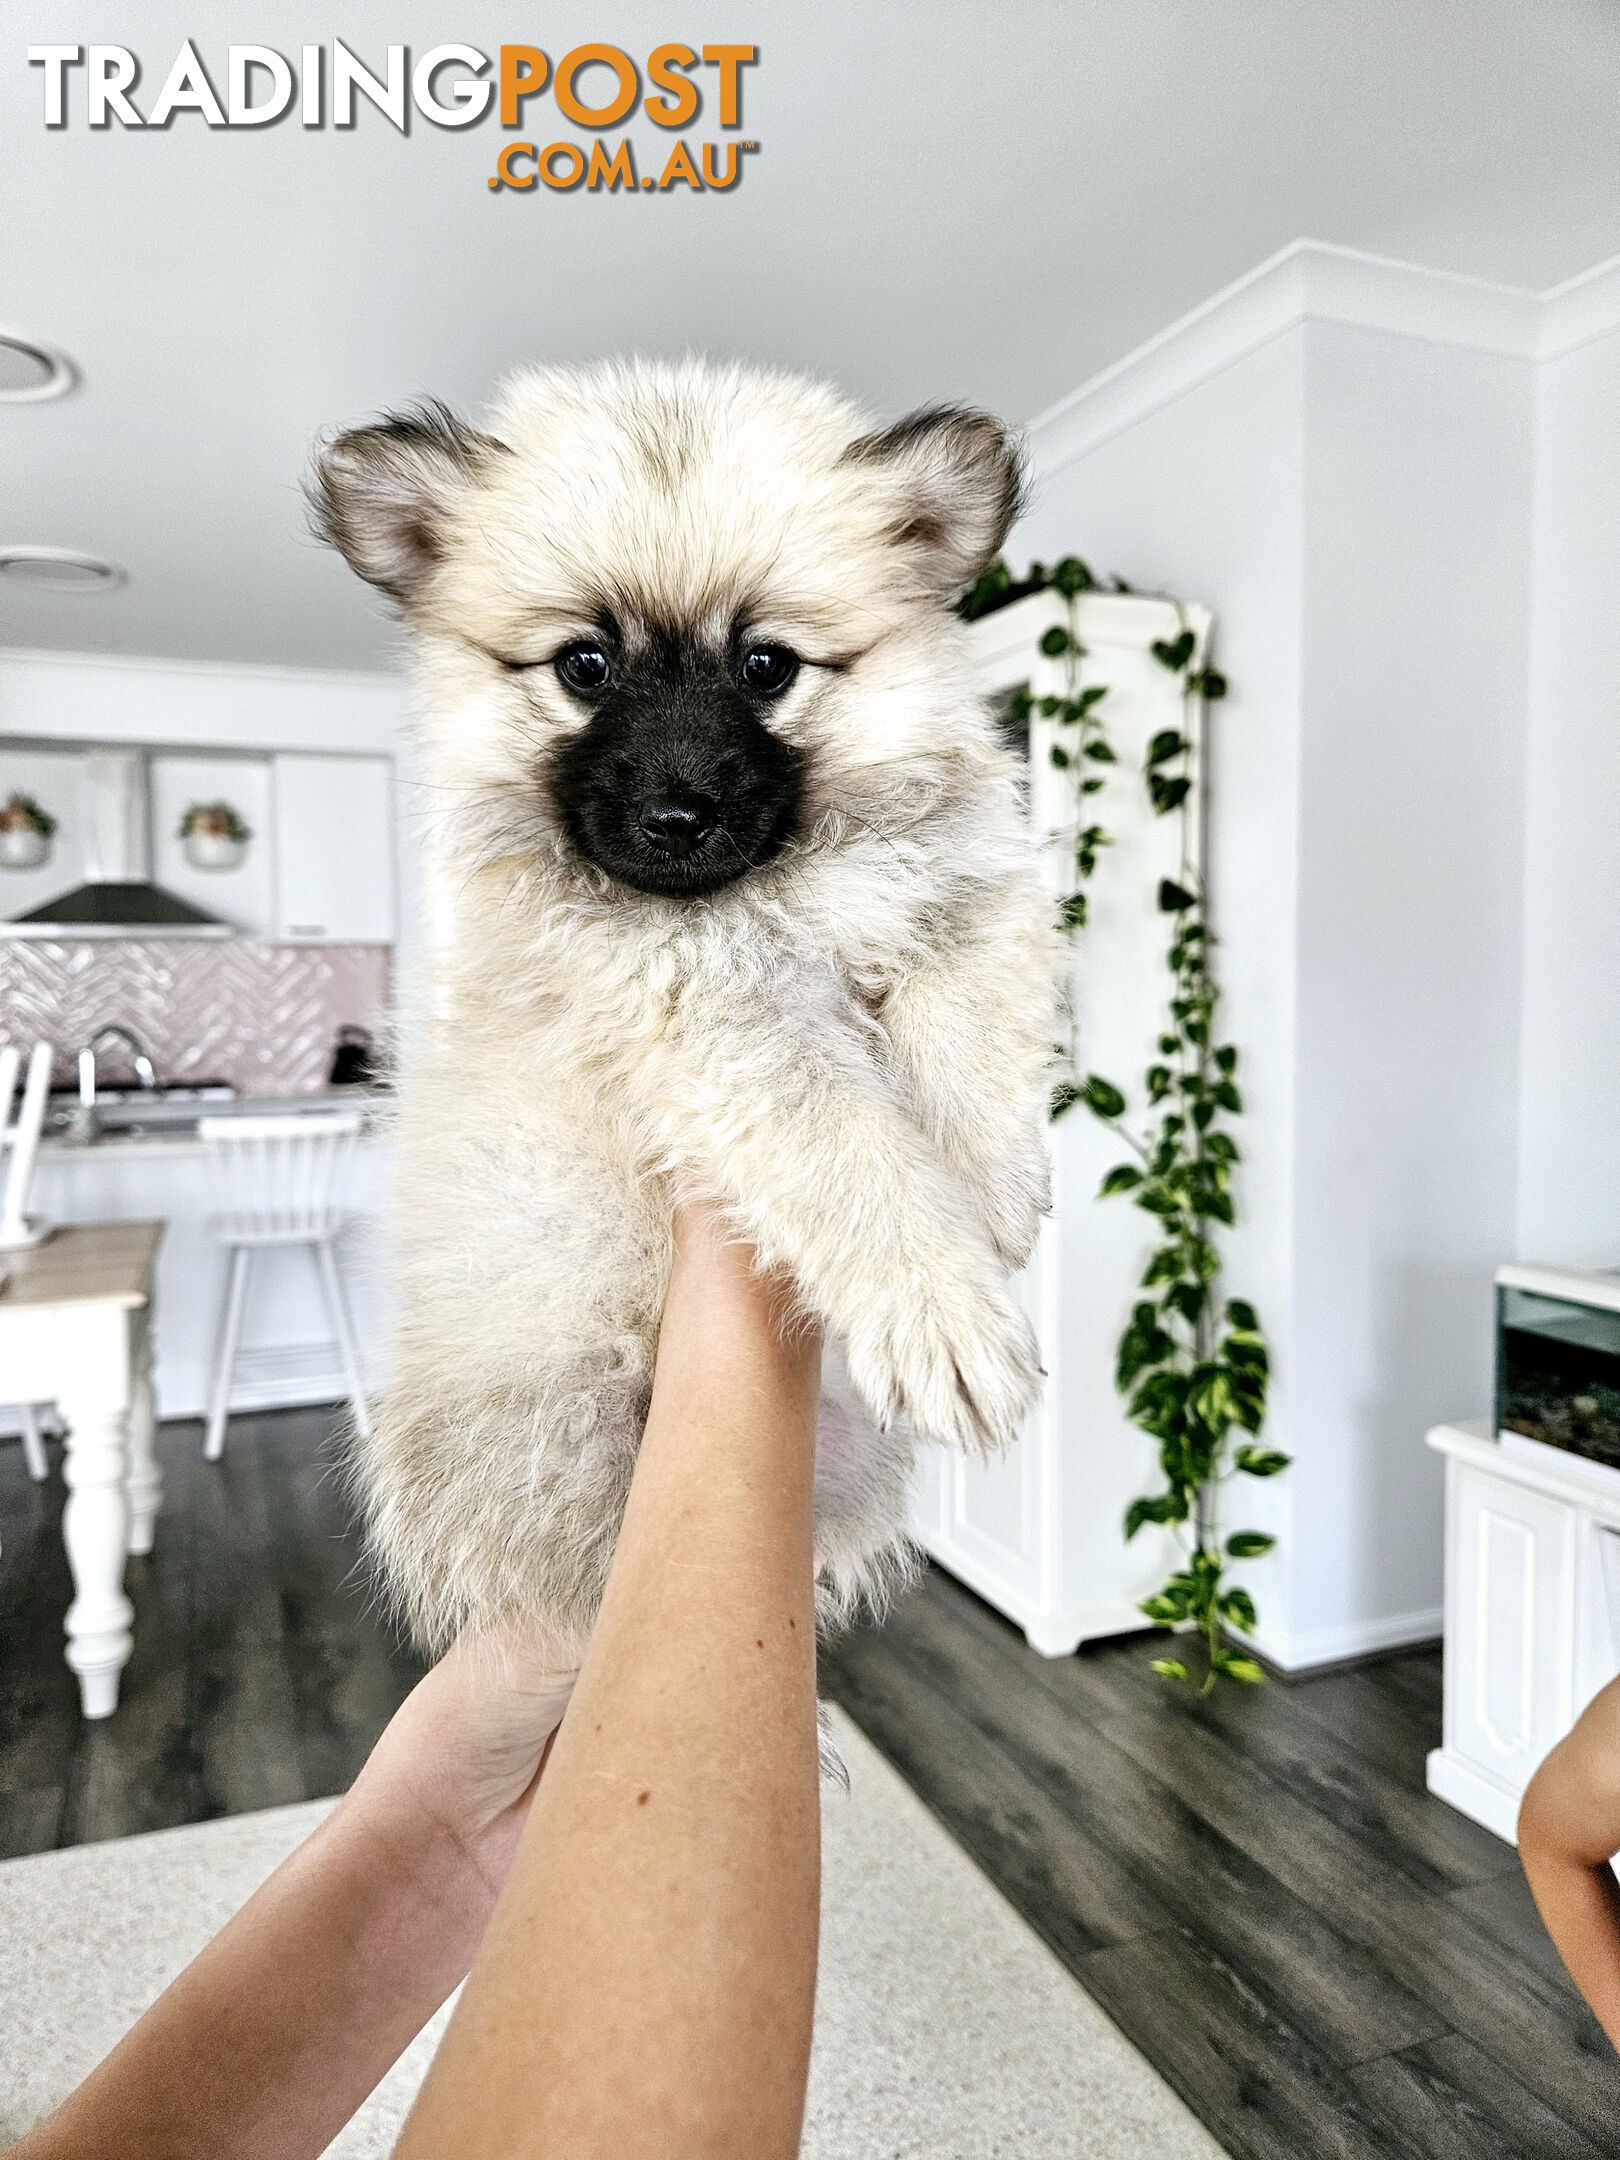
{"points": [[278, 1181]]}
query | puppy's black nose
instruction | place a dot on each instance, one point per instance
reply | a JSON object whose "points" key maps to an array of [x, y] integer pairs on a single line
{"points": [[677, 820]]}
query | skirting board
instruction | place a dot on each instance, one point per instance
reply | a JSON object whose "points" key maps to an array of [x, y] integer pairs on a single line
{"points": [[1299, 1652]]}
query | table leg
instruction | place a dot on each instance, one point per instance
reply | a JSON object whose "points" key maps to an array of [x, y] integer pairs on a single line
{"points": [[95, 1529], [145, 1478]]}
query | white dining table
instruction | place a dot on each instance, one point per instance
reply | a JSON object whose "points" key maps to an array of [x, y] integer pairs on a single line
{"points": [[76, 1330]]}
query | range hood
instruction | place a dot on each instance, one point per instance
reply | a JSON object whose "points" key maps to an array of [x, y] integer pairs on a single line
{"points": [[118, 897]]}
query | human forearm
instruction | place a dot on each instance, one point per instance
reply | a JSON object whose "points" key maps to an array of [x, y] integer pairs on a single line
{"points": [[647, 1983], [1569, 1827], [1580, 1906], [266, 2043]]}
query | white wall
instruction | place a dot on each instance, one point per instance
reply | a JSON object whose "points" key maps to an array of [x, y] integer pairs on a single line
{"points": [[1202, 497], [1338, 458], [1417, 489], [1569, 1184]]}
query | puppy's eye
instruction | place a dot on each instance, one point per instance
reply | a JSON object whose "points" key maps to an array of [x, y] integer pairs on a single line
{"points": [[584, 667], [768, 669]]}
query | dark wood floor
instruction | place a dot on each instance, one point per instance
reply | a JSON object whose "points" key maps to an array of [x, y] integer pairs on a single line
{"points": [[1325, 1962], [260, 1673]]}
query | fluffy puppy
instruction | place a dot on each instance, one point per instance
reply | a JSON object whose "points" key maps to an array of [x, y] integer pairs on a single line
{"points": [[731, 893]]}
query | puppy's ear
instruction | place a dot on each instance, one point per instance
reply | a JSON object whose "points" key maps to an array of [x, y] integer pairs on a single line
{"points": [[958, 482], [379, 493]]}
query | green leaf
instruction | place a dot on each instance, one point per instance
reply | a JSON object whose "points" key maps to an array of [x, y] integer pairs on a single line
{"points": [[1072, 911], [1099, 752], [1124, 1177], [1093, 695], [1209, 683], [1241, 1314], [1261, 1461], [1071, 577], [1164, 1610], [1169, 1668], [1226, 1060], [1173, 897], [1227, 1096], [1055, 642], [1238, 1607], [1090, 787], [1166, 744], [1243, 1669], [1188, 1299], [1162, 1508], [1248, 1544], [1174, 653], [1059, 757], [1167, 794], [1102, 1097], [1064, 1097]]}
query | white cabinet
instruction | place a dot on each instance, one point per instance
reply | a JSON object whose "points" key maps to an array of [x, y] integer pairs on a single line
{"points": [[1039, 1533], [1532, 1613], [334, 850], [55, 779], [246, 896]]}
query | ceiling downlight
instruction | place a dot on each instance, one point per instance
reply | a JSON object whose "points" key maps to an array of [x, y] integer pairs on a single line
{"points": [[51, 569], [31, 372]]}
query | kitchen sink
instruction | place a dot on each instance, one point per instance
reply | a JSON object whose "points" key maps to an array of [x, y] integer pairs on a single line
{"points": [[137, 1111]]}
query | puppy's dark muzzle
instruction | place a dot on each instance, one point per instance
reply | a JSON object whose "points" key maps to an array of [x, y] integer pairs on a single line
{"points": [[677, 820], [675, 785]]}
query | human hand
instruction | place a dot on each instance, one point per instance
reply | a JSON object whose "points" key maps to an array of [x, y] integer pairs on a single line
{"points": [[460, 1759]]}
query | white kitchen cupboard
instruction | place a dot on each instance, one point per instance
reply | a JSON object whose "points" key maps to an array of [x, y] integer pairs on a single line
{"points": [[334, 850], [1038, 1533], [246, 896], [55, 779], [1532, 1612]]}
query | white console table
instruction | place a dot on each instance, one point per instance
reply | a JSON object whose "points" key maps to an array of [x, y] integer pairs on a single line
{"points": [[74, 1331], [1532, 1612]]}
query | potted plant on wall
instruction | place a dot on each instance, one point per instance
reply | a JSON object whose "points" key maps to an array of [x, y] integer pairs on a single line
{"points": [[214, 836], [25, 833]]}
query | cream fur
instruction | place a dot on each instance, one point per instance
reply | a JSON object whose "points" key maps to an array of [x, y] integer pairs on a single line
{"points": [[848, 1047]]}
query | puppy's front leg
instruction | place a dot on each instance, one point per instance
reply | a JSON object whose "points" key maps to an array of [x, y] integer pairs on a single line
{"points": [[972, 1032], [798, 1130]]}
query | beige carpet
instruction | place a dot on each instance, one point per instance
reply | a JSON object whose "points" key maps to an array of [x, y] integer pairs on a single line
{"points": [[945, 2030]]}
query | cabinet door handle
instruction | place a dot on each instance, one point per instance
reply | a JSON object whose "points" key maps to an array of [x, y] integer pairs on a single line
{"points": [[306, 929]]}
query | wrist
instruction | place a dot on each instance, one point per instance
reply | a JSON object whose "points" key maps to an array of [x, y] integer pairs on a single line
{"points": [[429, 1853]]}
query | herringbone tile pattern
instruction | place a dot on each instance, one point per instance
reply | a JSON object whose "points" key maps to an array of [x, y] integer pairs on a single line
{"points": [[263, 1017]]}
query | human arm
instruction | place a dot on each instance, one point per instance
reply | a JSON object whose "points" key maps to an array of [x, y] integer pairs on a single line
{"points": [[269, 2040], [647, 1982], [1569, 1828]]}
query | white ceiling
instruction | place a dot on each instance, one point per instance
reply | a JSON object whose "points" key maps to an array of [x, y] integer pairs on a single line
{"points": [[949, 200]]}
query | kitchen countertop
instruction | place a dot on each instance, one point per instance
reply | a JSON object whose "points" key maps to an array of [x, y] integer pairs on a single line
{"points": [[184, 1141]]}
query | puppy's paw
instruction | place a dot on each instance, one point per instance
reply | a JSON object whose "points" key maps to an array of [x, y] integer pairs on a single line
{"points": [[1012, 1197], [957, 1361]]}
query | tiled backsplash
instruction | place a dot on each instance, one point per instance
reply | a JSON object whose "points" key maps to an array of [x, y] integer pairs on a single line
{"points": [[263, 1017]]}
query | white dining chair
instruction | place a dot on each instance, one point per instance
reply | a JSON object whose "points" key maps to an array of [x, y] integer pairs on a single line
{"points": [[33, 1442], [278, 1181]]}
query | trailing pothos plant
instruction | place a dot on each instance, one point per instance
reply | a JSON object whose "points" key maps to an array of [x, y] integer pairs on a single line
{"points": [[1192, 1367]]}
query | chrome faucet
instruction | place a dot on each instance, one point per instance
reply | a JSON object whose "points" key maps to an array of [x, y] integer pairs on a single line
{"points": [[84, 1117]]}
